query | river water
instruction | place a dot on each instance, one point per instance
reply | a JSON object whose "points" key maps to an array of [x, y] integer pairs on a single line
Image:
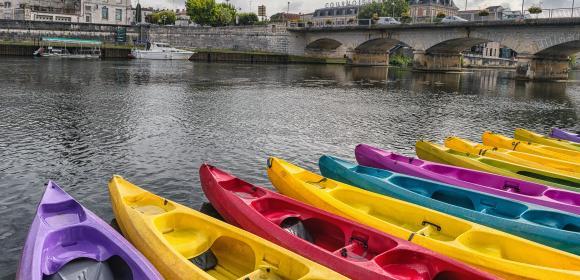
{"points": [[154, 122]]}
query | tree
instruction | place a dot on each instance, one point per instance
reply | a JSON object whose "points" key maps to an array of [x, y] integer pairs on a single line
{"points": [[223, 14], [248, 18], [534, 10], [201, 11], [441, 15], [388, 8], [483, 13], [163, 17]]}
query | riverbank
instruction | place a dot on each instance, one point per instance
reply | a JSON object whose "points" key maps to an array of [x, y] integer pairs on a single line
{"points": [[26, 48], [258, 57]]}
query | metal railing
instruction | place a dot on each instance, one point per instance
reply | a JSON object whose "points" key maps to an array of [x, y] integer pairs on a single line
{"points": [[546, 14]]}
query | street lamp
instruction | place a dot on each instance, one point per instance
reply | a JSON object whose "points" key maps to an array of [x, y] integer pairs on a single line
{"points": [[572, 8], [466, 5], [523, 17]]}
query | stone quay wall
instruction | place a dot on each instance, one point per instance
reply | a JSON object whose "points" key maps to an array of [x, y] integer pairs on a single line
{"points": [[266, 39]]}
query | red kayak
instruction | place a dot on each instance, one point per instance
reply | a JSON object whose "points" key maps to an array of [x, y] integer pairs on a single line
{"points": [[354, 250]]}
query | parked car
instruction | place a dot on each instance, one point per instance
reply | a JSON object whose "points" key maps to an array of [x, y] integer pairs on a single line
{"points": [[387, 21], [453, 19]]}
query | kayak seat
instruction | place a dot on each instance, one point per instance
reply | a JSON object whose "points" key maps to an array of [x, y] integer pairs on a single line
{"points": [[242, 189], [234, 258], [295, 226], [320, 232], [178, 230], [554, 220], [63, 213], [72, 243], [115, 268], [149, 205], [205, 261], [409, 264], [564, 197]]}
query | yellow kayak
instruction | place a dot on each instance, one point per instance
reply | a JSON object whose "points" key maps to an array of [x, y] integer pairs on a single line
{"points": [[548, 164], [500, 141], [434, 152], [497, 252], [526, 135], [185, 244]]}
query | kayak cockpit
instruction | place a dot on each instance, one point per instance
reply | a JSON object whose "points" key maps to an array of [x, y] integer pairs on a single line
{"points": [[89, 269]]}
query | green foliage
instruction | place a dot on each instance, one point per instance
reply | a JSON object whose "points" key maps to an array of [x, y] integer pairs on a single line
{"points": [[248, 18], [208, 12], [163, 17], [406, 17], [223, 14], [535, 10], [483, 13], [400, 60], [441, 15], [201, 11], [328, 22], [384, 9]]}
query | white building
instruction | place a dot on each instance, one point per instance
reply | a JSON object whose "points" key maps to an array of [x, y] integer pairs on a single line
{"points": [[106, 12], [90, 11]]}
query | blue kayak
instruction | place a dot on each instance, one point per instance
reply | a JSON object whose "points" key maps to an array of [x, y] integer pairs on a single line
{"points": [[543, 225]]}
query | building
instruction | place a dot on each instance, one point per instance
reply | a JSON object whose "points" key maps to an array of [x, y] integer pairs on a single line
{"points": [[495, 13], [334, 16], [106, 11], [89, 11], [427, 10]]}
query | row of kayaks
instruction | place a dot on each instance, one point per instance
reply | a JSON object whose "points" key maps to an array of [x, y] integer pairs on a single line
{"points": [[388, 216]]}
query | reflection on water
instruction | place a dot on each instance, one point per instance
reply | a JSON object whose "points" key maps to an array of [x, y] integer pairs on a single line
{"points": [[79, 122]]}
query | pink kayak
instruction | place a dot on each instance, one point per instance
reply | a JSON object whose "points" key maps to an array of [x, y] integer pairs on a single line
{"points": [[466, 178]]}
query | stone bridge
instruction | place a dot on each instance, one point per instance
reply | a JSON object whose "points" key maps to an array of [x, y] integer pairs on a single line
{"points": [[543, 46]]}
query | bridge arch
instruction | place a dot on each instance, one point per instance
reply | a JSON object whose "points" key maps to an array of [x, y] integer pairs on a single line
{"points": [[324, 44], [563, 50], [375, 51]]}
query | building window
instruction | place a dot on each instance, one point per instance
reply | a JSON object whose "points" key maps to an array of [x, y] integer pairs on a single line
{"points": [[118, 14], [87, 9], [105, 13], [7, 4]]}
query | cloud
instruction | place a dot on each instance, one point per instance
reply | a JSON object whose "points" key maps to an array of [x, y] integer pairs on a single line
{"points": [[306, 6]]}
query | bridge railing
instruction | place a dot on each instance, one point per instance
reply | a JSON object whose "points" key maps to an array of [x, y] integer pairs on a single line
{"points": [[546, 14]]}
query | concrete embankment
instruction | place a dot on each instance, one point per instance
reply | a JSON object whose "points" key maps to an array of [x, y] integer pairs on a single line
{"points": [[257, 57]]}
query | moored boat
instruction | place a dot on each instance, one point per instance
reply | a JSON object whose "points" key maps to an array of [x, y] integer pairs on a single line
{"points": [[434, 152], [471, 179], [501, 141], [354, 250], [186, 244], [503, 254], [526, 135], [546, 226], [545, 163], [565, 135], [161, 51], [67, 241]]}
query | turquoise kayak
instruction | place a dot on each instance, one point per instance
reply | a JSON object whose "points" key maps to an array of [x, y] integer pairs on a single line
{"points": [[546, 226]]}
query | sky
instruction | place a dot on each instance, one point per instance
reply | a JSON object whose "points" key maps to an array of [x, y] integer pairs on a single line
{"points": [[306, 6]]}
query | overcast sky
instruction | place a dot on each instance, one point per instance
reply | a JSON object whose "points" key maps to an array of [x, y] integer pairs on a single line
{"points": [[305, 6]]}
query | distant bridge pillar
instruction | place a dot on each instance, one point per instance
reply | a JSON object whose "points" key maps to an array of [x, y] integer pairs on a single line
{"points": [[425, 61], [370, 58], [533, 67]]}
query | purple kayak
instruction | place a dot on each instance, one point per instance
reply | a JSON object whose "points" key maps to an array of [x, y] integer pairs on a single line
{"points": [[470, 179], [565, 135], [67, 241]]}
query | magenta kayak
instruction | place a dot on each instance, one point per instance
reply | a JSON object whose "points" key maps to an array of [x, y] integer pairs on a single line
{"points": [[466, 178], [67, 241], [565, 135]]}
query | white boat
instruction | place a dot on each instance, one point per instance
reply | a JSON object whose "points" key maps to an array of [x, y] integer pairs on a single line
{"points": [[161, 51], [68, 48]]}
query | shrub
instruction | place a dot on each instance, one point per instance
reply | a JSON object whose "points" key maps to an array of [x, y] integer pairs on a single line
{"points": [[483, 13], [441, 15], [535, 10]]}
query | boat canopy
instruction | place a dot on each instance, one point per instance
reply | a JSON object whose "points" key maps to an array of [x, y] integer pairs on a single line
{"points": [[71, 41]]}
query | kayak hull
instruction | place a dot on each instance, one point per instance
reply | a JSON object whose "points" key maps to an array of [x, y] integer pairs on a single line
{"points": [[502, 254], [526, 135], [470, 179], [66, 239], [186, 244], [565, 135], [434, 152], [353, 250], [501, 141], [543, 225]]}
